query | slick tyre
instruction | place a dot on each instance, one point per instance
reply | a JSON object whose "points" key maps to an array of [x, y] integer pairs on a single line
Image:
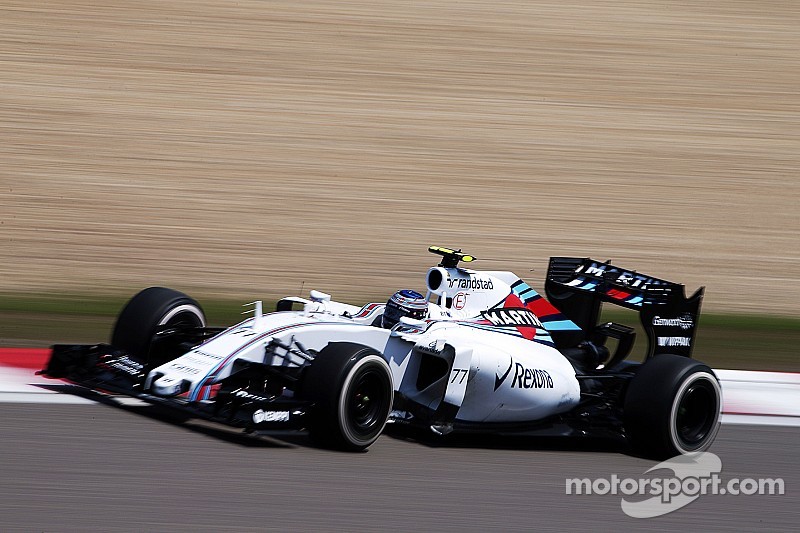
{"points": [[351, 387], [672, 407], [149, 312]]}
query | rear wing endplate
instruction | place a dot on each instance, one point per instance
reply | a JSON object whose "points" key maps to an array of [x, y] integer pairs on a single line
{"points": [[578, 287]]}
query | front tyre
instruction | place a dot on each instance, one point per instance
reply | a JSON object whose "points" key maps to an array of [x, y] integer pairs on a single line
{"points": [[672, 407], [351, 386], [150, 311]]}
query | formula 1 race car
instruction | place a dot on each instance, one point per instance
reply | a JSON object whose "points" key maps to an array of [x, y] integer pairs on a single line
{"points": [[480, 352]]}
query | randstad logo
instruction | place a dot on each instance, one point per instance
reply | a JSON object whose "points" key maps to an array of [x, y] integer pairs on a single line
{"points": [[693, 475]]}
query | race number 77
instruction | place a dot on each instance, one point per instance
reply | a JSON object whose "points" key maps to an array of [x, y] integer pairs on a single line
{"points": [[459, 372]]}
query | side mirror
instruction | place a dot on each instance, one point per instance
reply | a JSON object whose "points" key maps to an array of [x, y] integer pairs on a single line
{"points": [[318, 296], [407, 325]]}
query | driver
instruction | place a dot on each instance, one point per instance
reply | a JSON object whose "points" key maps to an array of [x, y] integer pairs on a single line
{"points": [[404, 303]]}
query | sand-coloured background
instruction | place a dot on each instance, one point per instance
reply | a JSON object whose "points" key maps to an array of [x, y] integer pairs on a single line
{"points": [[241, 148]]}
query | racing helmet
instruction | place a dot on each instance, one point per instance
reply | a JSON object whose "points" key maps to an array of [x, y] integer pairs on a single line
{"points": [[404, 303]]}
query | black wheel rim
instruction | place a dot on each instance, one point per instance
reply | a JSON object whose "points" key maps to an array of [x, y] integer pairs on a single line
{"points": [[367, 402], [696, 413]]}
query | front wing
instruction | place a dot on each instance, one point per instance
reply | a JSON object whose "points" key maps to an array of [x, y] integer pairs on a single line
{"points": [[240, 400]]}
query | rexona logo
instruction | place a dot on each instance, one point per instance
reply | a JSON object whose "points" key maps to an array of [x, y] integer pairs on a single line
{"points": [[525, 378], [531, 378], [512, 317]]}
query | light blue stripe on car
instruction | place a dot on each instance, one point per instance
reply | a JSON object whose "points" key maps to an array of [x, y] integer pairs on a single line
{"points": [[561, 325]]}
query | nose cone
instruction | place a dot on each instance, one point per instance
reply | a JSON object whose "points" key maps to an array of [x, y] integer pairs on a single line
{"points": [[169, 386]]}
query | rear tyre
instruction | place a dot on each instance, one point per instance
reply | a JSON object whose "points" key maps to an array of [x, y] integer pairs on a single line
{"points": [[149, 312], [672, 407], [351, 386]]}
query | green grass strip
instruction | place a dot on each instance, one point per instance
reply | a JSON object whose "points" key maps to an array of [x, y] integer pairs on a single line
{"points": [[757, 342]]}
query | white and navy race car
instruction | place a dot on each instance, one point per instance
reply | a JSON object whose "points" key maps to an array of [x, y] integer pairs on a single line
{"points": [[477, 351]]}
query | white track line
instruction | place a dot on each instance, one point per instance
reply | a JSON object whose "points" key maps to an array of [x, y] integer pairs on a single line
{"points": [[19, 385], [761, 420], [765, 398], [43, 398]]}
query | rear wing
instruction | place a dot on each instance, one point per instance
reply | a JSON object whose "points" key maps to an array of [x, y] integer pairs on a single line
{"points": [[578, 287]]}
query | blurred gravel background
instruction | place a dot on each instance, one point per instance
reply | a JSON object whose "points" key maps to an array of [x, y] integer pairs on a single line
{"points": [[241, 148]]}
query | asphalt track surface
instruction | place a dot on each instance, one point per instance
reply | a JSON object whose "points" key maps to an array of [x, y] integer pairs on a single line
{"points": [[106, 468]]}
